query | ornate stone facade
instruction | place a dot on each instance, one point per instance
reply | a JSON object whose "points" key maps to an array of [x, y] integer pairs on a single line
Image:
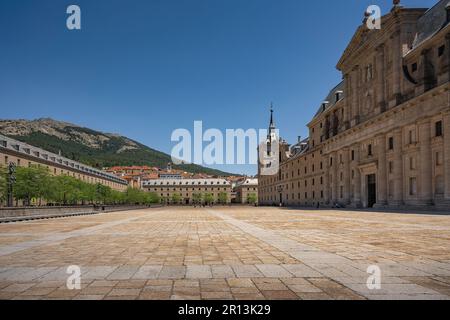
{"points": [[382, 136]]}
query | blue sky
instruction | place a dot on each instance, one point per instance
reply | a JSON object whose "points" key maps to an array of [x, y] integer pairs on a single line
{"points": [[144, 68]]}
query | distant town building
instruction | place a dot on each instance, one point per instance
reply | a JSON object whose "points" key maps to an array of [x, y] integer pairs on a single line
{"points": [[247, 191], [189, 191], [26, 155]]}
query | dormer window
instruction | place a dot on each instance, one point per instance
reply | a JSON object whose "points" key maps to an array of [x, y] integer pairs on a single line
{"points": [[338, 95]]}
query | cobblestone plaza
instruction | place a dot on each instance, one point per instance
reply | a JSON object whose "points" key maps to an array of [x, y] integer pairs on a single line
{"points": [[228, 253]]}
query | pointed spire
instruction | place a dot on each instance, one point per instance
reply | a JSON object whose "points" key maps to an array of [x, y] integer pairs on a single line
{"points": [[272, 125]]}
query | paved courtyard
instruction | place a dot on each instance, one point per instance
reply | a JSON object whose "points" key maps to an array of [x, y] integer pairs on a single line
{"points": [[227, 253]]}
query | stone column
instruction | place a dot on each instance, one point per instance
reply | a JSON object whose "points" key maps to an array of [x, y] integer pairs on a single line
{"points": [[363, 189], [398, 168], [357, 179], [381, 79], [348, 104], [346, 174], [334, 183], [447, 62], [355, 100], [425, 183], [446, 127], [326, 180], [381, 174], [422, 72], [396, 68]]}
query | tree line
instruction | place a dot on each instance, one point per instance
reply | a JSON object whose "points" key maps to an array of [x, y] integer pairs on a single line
{"points": [[198, 198], [35, 185]]}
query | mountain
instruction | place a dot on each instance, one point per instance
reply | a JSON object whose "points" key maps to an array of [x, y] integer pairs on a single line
{"points": [[97, 149]]}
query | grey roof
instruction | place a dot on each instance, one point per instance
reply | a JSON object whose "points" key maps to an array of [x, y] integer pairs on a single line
{"points": [[248, 182], [431, 22], [331, 98]]}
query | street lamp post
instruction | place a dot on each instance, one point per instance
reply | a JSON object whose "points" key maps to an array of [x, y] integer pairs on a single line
{"points": [[11, 182], [280, 189]]}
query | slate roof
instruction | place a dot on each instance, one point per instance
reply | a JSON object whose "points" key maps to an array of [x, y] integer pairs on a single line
{"points": [[331, 97], [185, 182], [432, 21]]}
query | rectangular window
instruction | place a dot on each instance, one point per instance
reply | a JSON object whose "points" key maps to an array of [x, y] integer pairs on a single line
{"points": [[391, 143], [353, 155], [414, 67], [369, 150], [438, 129], [412, 186], [441, 50], [439, 160]]}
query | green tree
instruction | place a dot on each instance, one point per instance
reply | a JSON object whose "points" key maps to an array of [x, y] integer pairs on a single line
{"points": [[153, 198], [115, 197], [3, 184], [68, 190], [197, 198], [223, 198], [176, 198], [31, 182], [251, 198], [208, 198], [102, 193]]}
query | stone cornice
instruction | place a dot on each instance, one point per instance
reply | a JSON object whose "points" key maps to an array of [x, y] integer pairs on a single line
{"points": [[384, 116]]}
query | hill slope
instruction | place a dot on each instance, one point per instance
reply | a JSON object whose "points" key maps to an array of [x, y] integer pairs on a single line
{"points": [[92, 147]]}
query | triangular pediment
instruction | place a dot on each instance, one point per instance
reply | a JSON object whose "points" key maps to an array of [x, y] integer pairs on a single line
{"points": [[360, 38]]}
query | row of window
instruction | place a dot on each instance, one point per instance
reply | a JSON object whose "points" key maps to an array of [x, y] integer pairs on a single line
{"points": [[73, 174], [198, 189], [440, 53]]}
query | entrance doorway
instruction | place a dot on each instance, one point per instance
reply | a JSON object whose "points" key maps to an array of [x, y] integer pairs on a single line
{"points": [[281, 198], [371, 190]]}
